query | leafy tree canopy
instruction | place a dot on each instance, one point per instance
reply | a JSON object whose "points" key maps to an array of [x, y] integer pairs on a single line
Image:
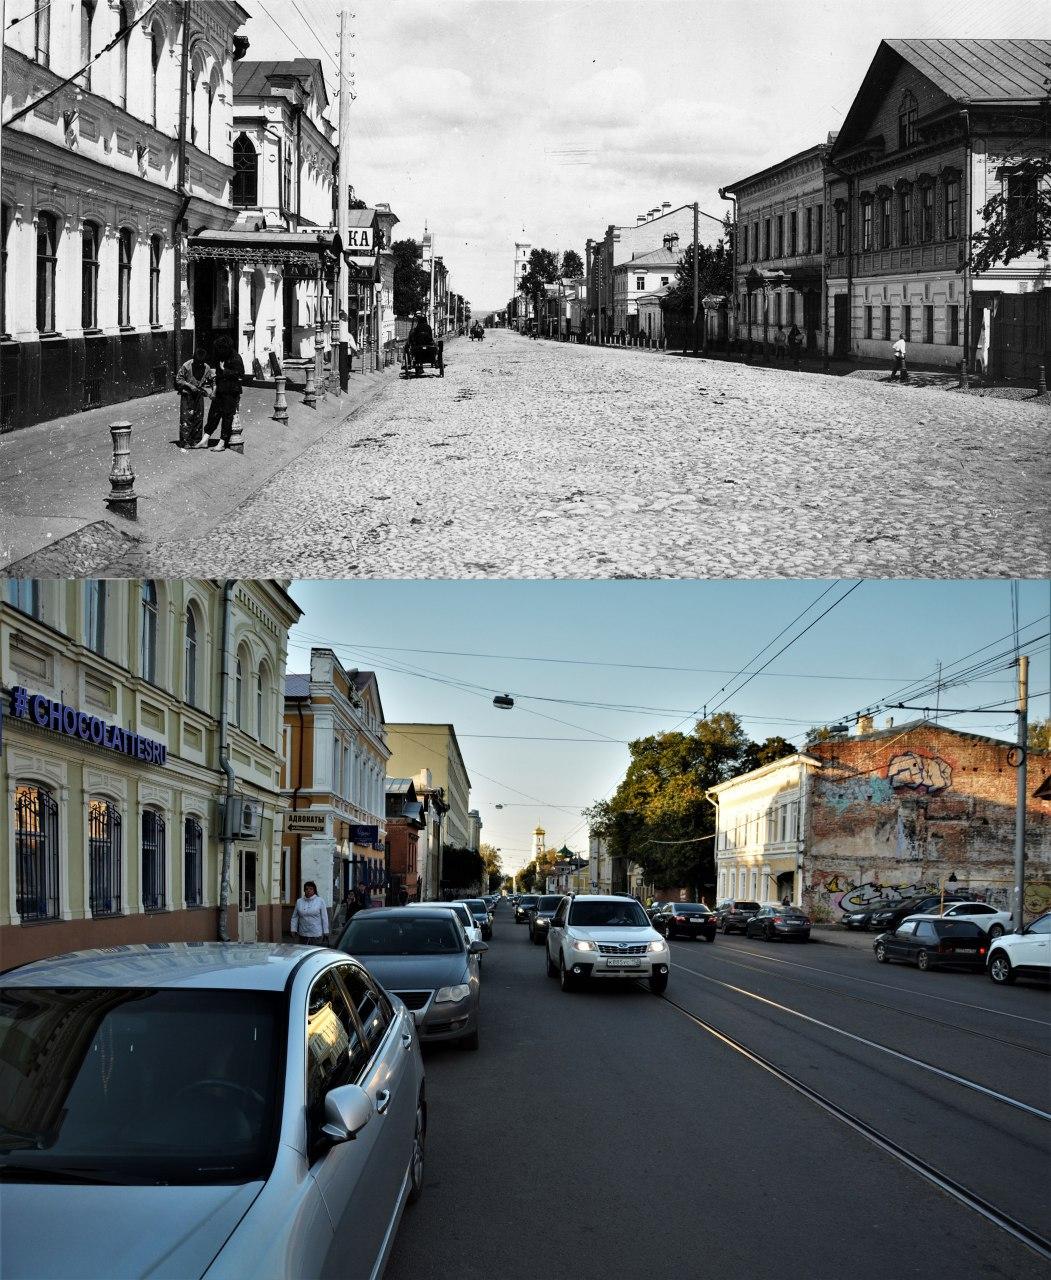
{"points": [[1039, 735], [1017, 219], [542, 270], [714, 276], [572, 266], [411, 282], [461, 868]]}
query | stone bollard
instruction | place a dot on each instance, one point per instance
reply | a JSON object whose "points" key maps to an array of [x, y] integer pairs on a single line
{"points": [[280, 413], [122, 500], [310, 390], [963, 373], [237, 435], [1041, 382]]}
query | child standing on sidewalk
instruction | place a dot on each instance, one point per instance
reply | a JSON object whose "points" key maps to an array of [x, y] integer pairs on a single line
{"points": [[194, 383]]}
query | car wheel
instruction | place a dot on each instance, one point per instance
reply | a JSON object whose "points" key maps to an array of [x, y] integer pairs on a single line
{"points": [[997, 931], [416, 1163], [565, 979], [768, 934], [659, 983], [726, 928], [552, 968], [923, 961], [1000, 969], [471, 1041], [881, 953]]}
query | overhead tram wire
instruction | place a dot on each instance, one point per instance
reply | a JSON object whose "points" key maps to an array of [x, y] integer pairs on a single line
{"points": [[44, 4], [278, 26]]}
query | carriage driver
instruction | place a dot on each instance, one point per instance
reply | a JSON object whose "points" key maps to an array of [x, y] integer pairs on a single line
{"points": [[421, 334]]}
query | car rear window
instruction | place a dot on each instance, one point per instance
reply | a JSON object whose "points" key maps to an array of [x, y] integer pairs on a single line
{"points": [[549, 903], [957, 928], [744, 906], [691, 909], [403, 935]]}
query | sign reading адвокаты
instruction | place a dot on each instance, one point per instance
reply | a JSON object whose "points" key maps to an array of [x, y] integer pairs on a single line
{"points": [[73, 723]]}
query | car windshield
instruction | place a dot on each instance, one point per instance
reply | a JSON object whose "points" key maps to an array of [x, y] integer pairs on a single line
{"points": [[133, 1085], [528, 900], [402, 935], [549, 903], [609, 913]]}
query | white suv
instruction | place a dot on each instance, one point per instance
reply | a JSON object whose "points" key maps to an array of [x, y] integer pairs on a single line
{"points": [[1026, 954], [604, 936]]}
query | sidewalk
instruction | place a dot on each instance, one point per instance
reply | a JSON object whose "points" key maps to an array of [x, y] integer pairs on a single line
{"points": [[57, 473]]}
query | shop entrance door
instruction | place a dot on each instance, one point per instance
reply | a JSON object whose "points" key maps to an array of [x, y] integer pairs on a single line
{"points": [[247, 921]]}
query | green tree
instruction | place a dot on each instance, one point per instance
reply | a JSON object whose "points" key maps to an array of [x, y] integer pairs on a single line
{"points": [[714, 276], [527, 877], [1039, 735], [775, 748], [461, 868], [542, 270], [411, 282], [572, 266], [492, 863]]}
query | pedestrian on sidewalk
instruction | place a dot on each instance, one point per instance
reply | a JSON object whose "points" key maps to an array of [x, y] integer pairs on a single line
{"points": [[780, 343], [194, 383], [900, 367], [227, 400], [310, 917]]}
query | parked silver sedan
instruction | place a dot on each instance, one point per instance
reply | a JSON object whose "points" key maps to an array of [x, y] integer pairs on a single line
{"points": [[422, 955], [205, 1109]]}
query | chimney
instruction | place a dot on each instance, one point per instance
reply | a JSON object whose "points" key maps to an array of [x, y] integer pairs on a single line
{"points": [[865, 724], [888, 723], [665, 206], [640, 218], [653, 213]]}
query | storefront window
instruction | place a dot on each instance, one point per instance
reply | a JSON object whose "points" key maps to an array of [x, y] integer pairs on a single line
{"points": [[104, 830], [154, 889], [36, 853], [193, 862]]}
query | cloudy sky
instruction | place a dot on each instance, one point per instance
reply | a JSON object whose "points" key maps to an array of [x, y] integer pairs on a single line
{"points": [[546, 120], [654, 653]]}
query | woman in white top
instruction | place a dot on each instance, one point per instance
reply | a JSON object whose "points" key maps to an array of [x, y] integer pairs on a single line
{"points": [[310, 917]]}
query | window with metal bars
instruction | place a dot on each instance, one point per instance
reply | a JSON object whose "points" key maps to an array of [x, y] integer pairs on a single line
{"points": [[154, 889], [36, 853], [104, 836], [193, 863]]}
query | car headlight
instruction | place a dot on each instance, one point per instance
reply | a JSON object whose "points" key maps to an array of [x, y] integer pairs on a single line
{"points": [[449, 995], [659, 945], [583, 946]]}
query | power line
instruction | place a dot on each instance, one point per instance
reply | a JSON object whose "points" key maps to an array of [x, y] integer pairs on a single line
{"points": [[45, 4]]}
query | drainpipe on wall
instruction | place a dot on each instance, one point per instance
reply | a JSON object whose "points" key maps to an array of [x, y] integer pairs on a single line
{"points": [[295, 879], [968, 286], [224, 762], [180, 189]]}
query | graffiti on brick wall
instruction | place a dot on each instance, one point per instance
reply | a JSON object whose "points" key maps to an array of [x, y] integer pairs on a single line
{"points": [[1037, 898], [929, 774], [861, 790], [843, 894]]}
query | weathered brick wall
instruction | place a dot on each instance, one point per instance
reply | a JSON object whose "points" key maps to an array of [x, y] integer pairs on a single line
{"points": [[900, 811]]}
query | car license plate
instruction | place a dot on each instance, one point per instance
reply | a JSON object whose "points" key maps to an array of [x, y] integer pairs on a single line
{"points": [[616, 963]]}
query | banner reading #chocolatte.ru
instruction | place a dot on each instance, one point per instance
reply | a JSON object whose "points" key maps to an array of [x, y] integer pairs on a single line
{"points": [[71, 722]]}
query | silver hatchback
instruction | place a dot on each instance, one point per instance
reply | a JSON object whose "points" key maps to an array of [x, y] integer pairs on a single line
{"points": [[205, 1110]]}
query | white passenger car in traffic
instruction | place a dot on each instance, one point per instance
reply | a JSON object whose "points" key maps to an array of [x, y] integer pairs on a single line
{"points": [[607, 937]]}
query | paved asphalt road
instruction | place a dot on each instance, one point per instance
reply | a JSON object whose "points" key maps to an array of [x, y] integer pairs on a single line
{"points": [[604, 1134], [535, 460]]}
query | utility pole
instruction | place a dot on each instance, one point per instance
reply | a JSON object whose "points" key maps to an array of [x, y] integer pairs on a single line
{"points": [[342, 197], [1020, 793], [696, 285]]}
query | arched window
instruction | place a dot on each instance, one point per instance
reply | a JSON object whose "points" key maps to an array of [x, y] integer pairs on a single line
{"points": [[193, 863], [246, 173], [125, 246], [123, 35], [95, 614], [87, 18], [156, 48], [154, 889], [156, 254], [89, 276], [239, 693], [260, 718], [46, 264], [148, 639], [104, 832], [36, 853], [190, 658]]}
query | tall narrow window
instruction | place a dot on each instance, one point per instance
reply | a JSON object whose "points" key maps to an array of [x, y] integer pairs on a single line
{"points": [[190, 659], [24, 594], [927, 212], [246, 173], [148, 638], [42, 34], [209, 103], [195, 79], [884, 221], [156, 253], [193, 863], [89, 276], [952, 326], [46, 264], [906, 322], [95, 614], [866, 224], [288, 178], [780, 235], [124, 241], [1022, 205], [766, 238], [819, 239], [87, 18], [808, 231], [905, 215], [154, 889], [5, 227], [906, 121], [36, 853], [104, 890], [156, 45], [239, 694], [952, 208], [259, 723], [123, 35], [841, 228], [793, 233], [928, 324]]}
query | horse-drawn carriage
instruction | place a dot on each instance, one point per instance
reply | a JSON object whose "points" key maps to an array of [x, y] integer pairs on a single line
{"points": [[420, 351], [477, 331]]}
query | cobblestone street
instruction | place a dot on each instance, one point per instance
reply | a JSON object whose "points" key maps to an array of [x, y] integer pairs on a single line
{"points": [[531, 459]]}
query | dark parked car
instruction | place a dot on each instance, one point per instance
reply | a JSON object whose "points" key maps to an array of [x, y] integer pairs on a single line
{"points": [[687, 920], [526, 903], [861, 917], [778, 922], [930, 941], [888, 918], [734, 914], [540, 917], [654, 907]]}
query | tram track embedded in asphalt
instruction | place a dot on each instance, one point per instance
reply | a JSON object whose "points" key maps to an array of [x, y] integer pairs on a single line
{"points": [[997, 1217]]}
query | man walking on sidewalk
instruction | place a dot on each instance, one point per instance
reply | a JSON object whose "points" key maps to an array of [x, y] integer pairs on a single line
{"points": [[229, 372], [194, 382], [900, 367]]}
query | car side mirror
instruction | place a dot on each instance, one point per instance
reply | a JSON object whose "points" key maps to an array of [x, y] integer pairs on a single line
{"points": [[348, 1110], [476, 948]]}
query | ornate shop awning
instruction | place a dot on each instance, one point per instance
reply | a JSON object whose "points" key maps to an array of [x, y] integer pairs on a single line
{"points": [[298, 253]]}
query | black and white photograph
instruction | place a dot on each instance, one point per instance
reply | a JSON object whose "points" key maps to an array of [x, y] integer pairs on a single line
{"points": [[525, 639]]}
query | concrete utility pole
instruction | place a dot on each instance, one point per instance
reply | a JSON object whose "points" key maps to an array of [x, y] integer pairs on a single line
{"points": [[696, 277], [342, 196], [1020, 793]]}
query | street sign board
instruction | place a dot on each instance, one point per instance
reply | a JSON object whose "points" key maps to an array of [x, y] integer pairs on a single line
{"points": [[305, 822]]}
